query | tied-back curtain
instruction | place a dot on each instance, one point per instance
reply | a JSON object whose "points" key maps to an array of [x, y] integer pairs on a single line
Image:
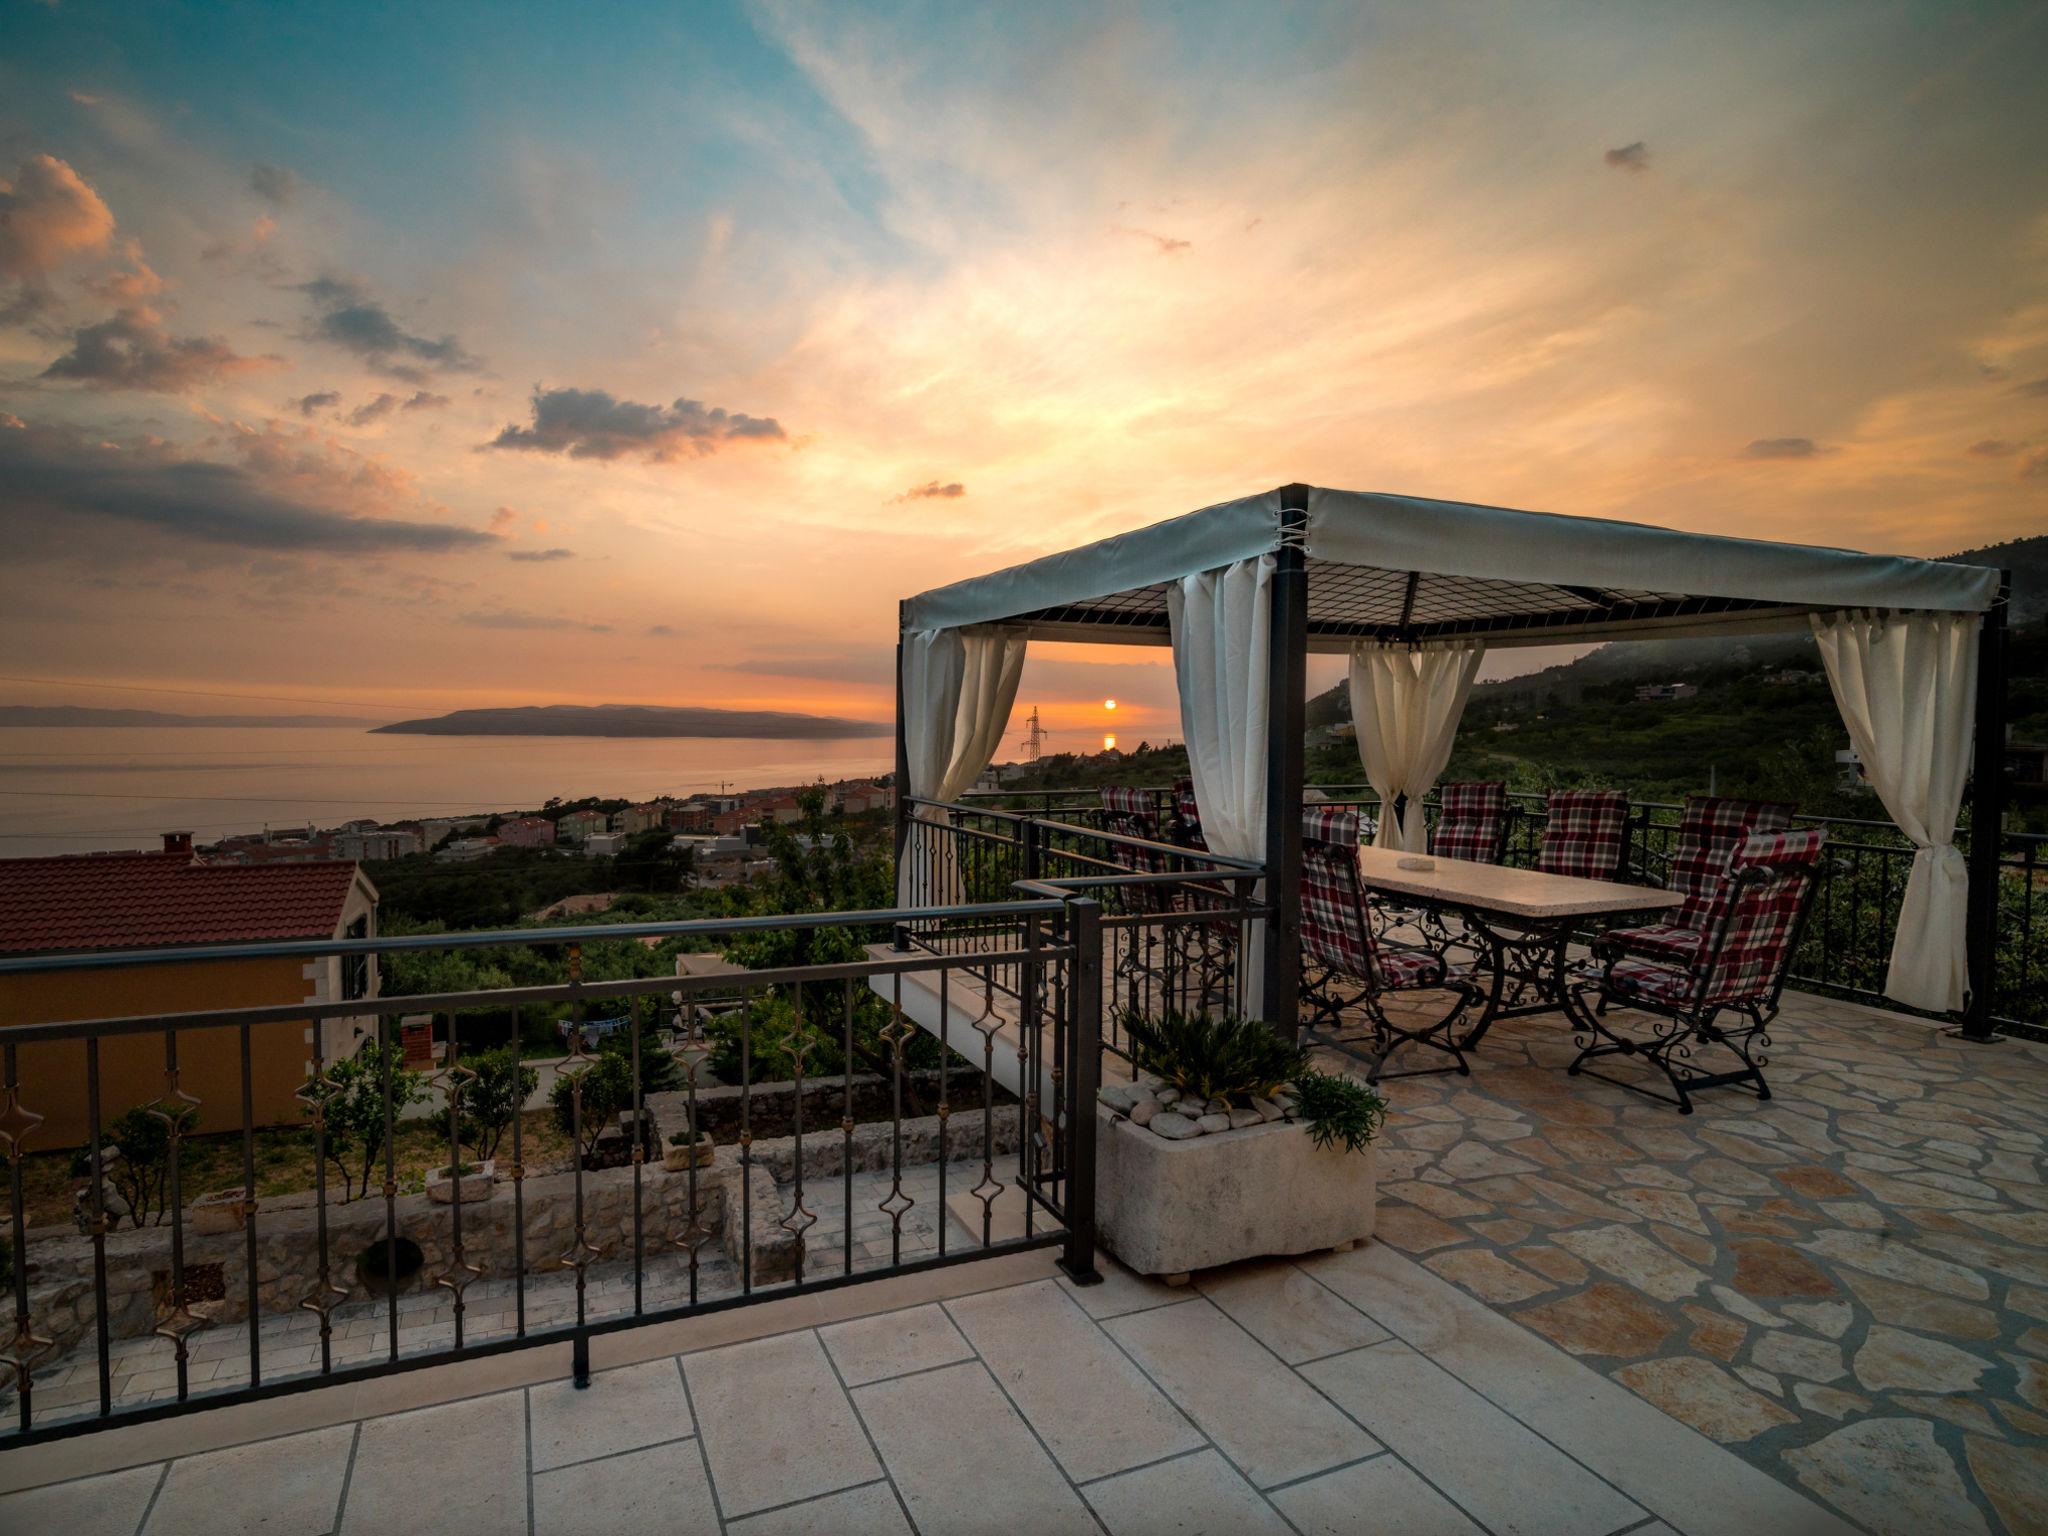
{"points": [[1406, 702], [958, 688], [1906, 685], [1221, 623]]}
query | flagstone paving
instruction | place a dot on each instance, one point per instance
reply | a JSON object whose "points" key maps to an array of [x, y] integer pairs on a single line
{"points": [[1846, 1285]]}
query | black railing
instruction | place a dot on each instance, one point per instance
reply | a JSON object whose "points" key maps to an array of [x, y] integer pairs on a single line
{"points": [[157, 1305], [1856, 903]]}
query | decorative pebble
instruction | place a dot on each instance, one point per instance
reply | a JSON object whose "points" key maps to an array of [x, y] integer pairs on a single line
{"points": [[1173, 1125], [1166, 1095], [1212, 1122], [1268, 1109], [1143, 1111], [1114, 1096], [1240, 1118]]}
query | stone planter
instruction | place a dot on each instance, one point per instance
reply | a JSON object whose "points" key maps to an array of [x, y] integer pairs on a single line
{"points": [[678, 1159], [1169, 1207], [477, 1184], [220, 1211]]}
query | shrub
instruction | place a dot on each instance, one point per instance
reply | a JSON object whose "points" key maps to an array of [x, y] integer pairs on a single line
{"points": [[353, 1093], [140, 1174], [1338, 1109], [1212, 1058], [608, 1088], [489, 1103]]}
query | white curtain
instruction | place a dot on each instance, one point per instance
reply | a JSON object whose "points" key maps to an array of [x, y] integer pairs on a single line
{"points": [[958, 688], [1222, 628], [1405, 706], [1906, 685]]}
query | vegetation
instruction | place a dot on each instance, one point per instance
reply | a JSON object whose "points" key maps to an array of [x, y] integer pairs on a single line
{"points": [[141, 1173], [1338, 1109], [607, 1085], [1212, 1057], [490, 1102], [352, 1094]]}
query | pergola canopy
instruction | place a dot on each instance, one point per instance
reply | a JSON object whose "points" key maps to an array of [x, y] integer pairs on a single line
{"points": [[1404, 568]]}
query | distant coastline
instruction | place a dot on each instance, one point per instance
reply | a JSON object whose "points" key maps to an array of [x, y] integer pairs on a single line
{"points": [[638, 720], [71, 716]]}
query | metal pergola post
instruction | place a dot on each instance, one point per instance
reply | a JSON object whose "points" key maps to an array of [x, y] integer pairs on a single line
{"points": [[1987, 817], [1286, 721], [902, 786]]}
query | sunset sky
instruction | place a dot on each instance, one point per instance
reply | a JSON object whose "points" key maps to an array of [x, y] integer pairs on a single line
{"points": [[413, 357]]}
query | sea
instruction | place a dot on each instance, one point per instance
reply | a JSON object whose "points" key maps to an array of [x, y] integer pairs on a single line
{"points": [[76, 790]]}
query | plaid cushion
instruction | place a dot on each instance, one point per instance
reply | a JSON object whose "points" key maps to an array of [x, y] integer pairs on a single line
{"points": [[1646, 978], [1585, 835], [1708, 835], [1189, 812], [1661, 941], [1471, 819], [1763, 913], [1128, 812], [1334, 930], [1400, 969]]}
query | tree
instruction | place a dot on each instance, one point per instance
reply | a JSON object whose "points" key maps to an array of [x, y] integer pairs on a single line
{"points": [[608, 1088], [141, 1172], [500, 1089], [353, 1094]]}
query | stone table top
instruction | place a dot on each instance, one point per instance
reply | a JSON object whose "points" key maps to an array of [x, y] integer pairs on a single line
{"points": [[1512, 892]]}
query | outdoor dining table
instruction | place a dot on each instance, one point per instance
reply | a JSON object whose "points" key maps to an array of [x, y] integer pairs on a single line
{"points": [[1521, 919]]}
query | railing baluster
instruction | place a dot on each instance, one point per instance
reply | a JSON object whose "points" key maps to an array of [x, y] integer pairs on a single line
{"points": [[639, 1157], [390, 1184], [249, 1212], [101, 1327], [846, 1126]]}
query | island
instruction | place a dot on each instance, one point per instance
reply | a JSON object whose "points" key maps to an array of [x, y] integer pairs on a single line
{"points": [[637, 720]]}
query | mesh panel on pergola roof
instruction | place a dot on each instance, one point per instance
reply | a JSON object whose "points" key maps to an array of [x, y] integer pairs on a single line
{"points": [[1406, 569]]}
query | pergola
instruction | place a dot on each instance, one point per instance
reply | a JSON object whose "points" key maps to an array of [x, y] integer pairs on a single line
{"points": [[1414, 590]]}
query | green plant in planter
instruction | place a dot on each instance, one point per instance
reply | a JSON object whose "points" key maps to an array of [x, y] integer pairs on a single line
{"points": [[1338, 1109], [1223, 1057], [681, 1139]]}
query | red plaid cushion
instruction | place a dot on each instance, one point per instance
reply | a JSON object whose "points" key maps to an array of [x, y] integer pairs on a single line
{"points": [[1585, 835], [1130, 812], [1763, 913], [1334, 930], [1470, 821], [1189, 812], [1661, 941], [1400, 969], [1646, 978], [1708, 835]]}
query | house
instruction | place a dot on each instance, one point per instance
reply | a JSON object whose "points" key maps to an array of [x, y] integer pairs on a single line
{"points": [[690, 817], [377, 843], [602, 845], [1664, 693], [726, 822], [80, 903], [1791, 677], [581, 826], [465, 850], [635, 819], [527, 832]]}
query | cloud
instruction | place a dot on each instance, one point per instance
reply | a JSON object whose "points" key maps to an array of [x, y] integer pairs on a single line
{"points": [[2036, 467], [423, 400], [274, 184], [512, 618], [933, 490], [537, 555], [1168, 245], [47, 215], [132, 350], [50, 476], [349, 318], [592, 424], [134, 287], [1783, 448], [856, 664], [372, 410], [2034, 387], [319, 400], [502, 519], [1994, 448], [661, 629], [1630, 157]]}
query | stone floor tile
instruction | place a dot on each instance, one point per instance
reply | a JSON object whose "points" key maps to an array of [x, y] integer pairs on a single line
{"points": [[1041, 1347], [1894, 1260], [108, 1505], [1436, 1199], [290, 1486], [1603, 1319], [893, 1343], [2015, 1479], [1831, 1401], [661, 1488], [1120, 1290], [1891, 1475], [1258, 1412], [1633, 1259], [1487, 1275], [1415, 1231], [1794, 1354], [1383, 1490], [962, 1458], [457, 1467], [870, 1511], [1714, 1333], [1507, 1477], [1829, 1319], [1288, 1312], [1764, 1268], [1554, 1262], [1197, 1495], [1891, 1357], [776, 1426], [621, 1410], [1910, 1306], [1701, 1394]]}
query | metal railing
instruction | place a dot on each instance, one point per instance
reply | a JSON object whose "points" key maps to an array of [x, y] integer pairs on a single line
{"points": [[1856, 904], [119, 1324]]}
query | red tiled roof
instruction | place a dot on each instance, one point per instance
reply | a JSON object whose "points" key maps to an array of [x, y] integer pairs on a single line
{"points": [[144, 900]]}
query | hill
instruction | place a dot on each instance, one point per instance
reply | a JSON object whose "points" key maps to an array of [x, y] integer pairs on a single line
{"points": [[636, 720]]}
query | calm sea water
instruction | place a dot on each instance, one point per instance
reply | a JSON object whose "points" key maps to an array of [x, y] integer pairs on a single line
{"points": [[69, 791]]}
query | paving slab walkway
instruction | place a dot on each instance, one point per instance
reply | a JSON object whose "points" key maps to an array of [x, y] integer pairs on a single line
{"points": [[1846, 1285]]}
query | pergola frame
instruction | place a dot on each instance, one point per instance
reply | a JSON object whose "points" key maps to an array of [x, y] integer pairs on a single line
{"points": [[1114, 593]]}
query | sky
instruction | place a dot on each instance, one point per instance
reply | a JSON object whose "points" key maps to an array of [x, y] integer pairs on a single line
{"points": [[392, 359]]}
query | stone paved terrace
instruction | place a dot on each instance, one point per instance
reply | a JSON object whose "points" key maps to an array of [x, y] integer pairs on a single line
{"points": [[1847, 1285], [1348, 1392]]}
